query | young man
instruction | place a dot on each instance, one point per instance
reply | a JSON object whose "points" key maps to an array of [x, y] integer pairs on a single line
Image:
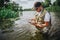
{"points": [[42, 18]]}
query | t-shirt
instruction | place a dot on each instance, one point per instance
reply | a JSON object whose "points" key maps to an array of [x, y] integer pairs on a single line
{"points": [[47, 17]]}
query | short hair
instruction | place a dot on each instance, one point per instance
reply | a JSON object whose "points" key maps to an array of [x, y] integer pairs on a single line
{"points": [[37, 4]]}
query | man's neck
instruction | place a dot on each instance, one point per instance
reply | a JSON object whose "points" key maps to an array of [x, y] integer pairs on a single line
{"points": [[40, 10]]}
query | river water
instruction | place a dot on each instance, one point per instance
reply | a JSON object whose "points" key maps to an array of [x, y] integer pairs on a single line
{"points": [[23, 30]]}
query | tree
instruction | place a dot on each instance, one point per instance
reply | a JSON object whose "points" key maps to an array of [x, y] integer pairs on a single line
{"points": [[20, 8], [56, 3], [2, 2], [47, 3]]}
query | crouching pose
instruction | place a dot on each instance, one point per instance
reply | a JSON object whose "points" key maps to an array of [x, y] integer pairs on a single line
{"points": [[42, 19]]}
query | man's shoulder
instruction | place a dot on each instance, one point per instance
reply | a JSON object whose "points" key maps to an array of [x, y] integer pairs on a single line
{"points": [[47, 12]]}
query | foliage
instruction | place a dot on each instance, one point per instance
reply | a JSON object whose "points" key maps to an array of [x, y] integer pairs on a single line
{"points": [[56, 3], [7, 17], [10, 10], [6, 14], [54, 8], [2, 2], [5, 24], [28, 9], [13, 6], [20, 8], [47, 3]]}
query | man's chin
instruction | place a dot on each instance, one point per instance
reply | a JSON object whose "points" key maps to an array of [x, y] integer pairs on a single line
{"points": [[39, 11]]}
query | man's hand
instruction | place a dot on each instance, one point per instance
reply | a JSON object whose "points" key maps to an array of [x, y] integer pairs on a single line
{"points": [[32, 22], [33, 19], [39, 25]]}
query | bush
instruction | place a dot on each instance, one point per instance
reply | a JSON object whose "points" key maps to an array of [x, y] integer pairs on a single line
{"points": [[5, 24], [7, 14], [7, 17], [53, 8]]}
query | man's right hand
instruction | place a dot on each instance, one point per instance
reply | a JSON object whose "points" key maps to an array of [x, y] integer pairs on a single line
{"points": [[32, 22], [33, 19]]}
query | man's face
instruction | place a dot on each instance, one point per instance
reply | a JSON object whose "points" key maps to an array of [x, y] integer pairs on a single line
{"points": [[39, 9]]}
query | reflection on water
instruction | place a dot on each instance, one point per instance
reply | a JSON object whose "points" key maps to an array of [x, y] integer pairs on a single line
{"points": [[22, 29]]}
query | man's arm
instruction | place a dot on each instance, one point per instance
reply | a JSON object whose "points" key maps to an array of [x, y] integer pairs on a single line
{"points": [[33, 20], [42, 25]]}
